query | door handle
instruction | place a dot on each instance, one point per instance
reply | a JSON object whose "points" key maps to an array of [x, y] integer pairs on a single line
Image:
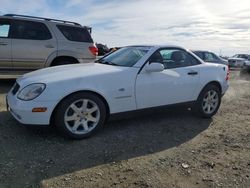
{"points": [[49, 46], [192, 73], [3, 44]]}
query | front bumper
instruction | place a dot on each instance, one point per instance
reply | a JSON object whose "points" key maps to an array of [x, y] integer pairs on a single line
{"points": [[22, 110], [235, 63], [246, 67]]}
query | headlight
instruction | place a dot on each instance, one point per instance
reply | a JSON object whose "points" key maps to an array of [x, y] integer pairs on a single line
{"points": [[31, 92]]}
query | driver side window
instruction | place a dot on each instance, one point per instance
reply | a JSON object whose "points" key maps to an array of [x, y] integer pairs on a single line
{"points": [[173, 58], [209, 57]]}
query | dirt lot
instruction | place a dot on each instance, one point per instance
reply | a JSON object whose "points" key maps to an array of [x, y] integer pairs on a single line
{"points": [[171, 149]]}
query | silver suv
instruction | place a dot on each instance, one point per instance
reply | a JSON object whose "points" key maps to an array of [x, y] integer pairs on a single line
{"points": [[28, 43]]}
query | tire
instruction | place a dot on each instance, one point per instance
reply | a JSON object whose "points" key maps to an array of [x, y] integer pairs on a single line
{"points": [[64, 62], [208, 101], [80, 115]]}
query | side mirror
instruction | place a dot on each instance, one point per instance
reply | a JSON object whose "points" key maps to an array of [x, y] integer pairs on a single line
{"points": [[154, 67]]}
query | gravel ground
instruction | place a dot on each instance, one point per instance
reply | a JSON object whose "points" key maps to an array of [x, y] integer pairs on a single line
{"points": [[167, 149]]}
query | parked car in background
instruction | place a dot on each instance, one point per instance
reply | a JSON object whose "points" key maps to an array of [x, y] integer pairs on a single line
{"points": [[28, 43], [210, 57], [102, 49], [238, 60], [246, 66], [78, 99], [114, 49]]}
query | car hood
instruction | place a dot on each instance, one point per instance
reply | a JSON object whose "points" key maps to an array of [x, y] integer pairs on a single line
{"points": [[238, 59], [224, 61], [68, 72], [247, 63]]}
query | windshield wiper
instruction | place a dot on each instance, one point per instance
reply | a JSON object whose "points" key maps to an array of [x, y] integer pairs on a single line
{"points": [[111, 63], [107, 63]]}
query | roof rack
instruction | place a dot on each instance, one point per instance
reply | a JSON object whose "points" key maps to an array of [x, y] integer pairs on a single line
{"points": [[41, 18]]}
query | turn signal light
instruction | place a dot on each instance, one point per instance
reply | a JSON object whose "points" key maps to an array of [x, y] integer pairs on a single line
{"points": [[39, 109]]}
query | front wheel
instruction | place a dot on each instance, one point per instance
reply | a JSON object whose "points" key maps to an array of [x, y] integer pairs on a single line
{"points": [[80, 115], [208, 101]]}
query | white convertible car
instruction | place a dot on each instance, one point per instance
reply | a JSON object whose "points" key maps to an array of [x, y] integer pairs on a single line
{"points": [[79, 98]]}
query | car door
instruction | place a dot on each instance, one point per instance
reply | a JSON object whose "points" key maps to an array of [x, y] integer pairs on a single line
{"points": [[32, 44], [210, 57], [217, 59], [5, 44], [177, 83]]}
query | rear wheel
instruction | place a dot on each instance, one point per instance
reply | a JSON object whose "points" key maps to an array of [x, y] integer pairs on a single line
{"points": [[80, 115], [208, 101], [64, 61]]}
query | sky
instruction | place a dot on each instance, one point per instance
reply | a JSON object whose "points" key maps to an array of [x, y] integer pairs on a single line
{"points": [[221, 26]]}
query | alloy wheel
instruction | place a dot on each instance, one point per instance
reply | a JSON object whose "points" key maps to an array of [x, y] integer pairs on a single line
{"points": [[210, 102], [82, 116]]}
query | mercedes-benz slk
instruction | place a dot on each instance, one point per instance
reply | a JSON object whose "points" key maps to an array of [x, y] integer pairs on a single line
{"points": [[78, 99]]}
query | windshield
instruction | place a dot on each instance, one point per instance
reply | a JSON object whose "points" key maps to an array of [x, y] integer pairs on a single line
{"points": [[199, 54], [244, 56], [125, 57]]}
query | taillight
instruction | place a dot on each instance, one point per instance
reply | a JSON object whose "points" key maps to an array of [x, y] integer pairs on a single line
{"points": [[227, 77], [93, 50]]}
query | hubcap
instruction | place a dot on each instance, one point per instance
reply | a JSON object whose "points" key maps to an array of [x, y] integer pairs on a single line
{"points": [[82, 116], [210, 102]]}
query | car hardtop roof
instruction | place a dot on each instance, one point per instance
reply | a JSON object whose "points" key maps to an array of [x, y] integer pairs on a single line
{"points": [[199, 51], [242, 54], [26, 17], [157, 46], [202, 51]]}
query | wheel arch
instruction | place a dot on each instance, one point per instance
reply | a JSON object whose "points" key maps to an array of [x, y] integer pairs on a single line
{"points": [[216, 83], [81, 91], [60, 54], [60, 58], [199, 102]]}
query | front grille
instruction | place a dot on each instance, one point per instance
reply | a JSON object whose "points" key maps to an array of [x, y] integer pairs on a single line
{"points": [[15, 88]]}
